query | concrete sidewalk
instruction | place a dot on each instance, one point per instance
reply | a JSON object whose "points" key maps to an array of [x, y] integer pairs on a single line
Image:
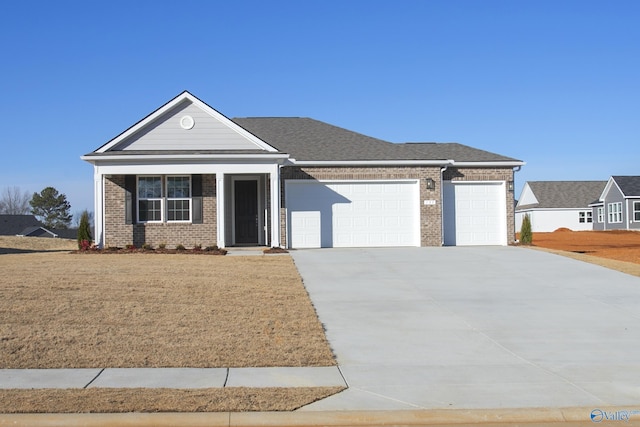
{"points": [[180, 378]]}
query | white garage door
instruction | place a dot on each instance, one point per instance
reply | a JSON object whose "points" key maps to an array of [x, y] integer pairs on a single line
{"points": [[352, 214], [474, 214]]}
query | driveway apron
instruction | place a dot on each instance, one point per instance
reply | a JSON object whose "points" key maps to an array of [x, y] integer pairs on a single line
{"points": [[475, 327]]}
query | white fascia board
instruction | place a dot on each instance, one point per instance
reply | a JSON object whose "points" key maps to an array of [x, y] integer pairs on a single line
{"points": [[488, 164], [184, 169], [606, 189], [157, 158], [371, 162], [175, 101]]}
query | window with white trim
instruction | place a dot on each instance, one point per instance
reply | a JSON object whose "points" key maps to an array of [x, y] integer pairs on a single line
{"points": [[585, 216], [636, 211], [150, 199], [178, 198], [167, 199], [600, 214], [615, 212]]}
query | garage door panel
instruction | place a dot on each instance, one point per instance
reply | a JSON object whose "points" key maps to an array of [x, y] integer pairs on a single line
{"points": [[360, 214], [474, 213]]}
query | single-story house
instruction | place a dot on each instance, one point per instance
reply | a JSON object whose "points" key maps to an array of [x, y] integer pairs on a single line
{"points": [[558, 204], [14, 225], [618, 206], [186, 174]]}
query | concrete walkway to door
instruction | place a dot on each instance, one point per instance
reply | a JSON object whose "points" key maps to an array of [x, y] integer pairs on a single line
{"points": [[475, 327]]}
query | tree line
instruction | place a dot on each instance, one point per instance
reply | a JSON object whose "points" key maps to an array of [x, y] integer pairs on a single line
{"points": [[50, 207]]}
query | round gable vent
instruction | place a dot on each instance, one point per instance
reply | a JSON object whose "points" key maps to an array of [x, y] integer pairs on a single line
{"points": [[187, 122]]}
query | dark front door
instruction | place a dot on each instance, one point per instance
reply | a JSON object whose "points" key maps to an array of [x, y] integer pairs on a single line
{"points": [[246, 212]]}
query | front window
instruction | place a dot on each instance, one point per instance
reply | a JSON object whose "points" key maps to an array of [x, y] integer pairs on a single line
{"points": [[149, 199], [601, 214], [615, 212], [171, 201], [636, 211], [178, 198], [585, 216]]}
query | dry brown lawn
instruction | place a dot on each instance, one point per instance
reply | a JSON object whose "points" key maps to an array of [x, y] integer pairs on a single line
{"points": [[66, 310]]}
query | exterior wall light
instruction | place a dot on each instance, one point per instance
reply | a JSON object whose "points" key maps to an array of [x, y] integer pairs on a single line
{"points": [[431, 184], [510, 185]]}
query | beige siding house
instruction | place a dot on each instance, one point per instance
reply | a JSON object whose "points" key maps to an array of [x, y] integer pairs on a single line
{"points": [[188, 175]]}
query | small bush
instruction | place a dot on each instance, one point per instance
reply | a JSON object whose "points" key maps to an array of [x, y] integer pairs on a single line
{"points": [[197, 247], [526, 236], [211, 248], [84, 232], [147, 247], [180, 248], [131, 247], [162, 246]]}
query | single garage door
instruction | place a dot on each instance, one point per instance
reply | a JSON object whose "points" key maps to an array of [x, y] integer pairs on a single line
{"points": [[352, 214], [474, 213]]}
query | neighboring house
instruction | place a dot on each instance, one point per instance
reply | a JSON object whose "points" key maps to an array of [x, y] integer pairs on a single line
{"points": [[36, 231], [558, 204], [14, 225], [186, 174], [618, 207]]}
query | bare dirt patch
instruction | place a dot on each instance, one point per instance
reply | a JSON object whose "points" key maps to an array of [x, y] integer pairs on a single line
{"points": [[619, 250]]}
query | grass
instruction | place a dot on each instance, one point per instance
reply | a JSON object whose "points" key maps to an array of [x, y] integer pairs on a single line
{"points": [[63, 310]]}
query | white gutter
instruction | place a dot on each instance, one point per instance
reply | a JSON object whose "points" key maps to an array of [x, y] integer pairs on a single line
{"points": [[516, 163], [371, 162]]}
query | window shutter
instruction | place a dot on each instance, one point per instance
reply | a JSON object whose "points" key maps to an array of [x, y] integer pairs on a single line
{"points": [[129, 199], [196, 199]]}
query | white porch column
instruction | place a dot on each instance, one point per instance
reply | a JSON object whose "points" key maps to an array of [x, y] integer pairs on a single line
{"points": [[220, 217], [98, 211], [274, 178]]}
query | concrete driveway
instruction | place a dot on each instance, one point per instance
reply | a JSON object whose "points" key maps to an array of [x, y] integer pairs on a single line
{"points": [[475, 327]]}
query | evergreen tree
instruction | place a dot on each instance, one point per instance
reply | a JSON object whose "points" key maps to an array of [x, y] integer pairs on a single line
{"points": [[84, 231], [51, 208], [526, 236]]}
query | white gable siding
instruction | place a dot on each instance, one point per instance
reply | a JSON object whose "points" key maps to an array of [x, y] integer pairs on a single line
{"points": [[165, 133], [526, 196]]}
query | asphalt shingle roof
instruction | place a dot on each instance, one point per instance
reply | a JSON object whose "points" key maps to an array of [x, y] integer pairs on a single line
{"points": [[564, 194], [309, 139], [12, 225], [629, 185]]}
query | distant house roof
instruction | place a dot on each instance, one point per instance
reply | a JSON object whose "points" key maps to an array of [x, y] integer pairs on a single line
{"points": [[37, 231], [12, 225], [307, 139], [564, 194], [629, 185]]}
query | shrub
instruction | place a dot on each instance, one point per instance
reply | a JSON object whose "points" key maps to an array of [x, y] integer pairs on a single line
{"points": [[526, 236], [162, 246], [180, 248], [84, 232], [197, 247], [147, 247], [131, 247]]}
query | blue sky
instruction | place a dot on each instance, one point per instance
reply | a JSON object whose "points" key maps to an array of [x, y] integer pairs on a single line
{"points": [[553, 83]]}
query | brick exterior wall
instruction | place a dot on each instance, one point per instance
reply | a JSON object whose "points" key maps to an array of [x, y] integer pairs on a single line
{"points": [[119, 234], [489, 174], [430, 215]]}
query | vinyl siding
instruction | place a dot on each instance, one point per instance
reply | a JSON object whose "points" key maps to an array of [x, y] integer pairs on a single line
{"points": [[165, 133]]}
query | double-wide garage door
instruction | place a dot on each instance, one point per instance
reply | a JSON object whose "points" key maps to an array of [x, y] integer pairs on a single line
{"points": [[352, 214], [474, 213]]}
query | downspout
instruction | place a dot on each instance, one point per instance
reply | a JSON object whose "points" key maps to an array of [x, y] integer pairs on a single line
{"points": [[516, 169], [442, 203]]}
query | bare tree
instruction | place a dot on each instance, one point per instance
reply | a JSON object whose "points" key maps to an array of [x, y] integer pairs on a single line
{"points": [[14, 201]]}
